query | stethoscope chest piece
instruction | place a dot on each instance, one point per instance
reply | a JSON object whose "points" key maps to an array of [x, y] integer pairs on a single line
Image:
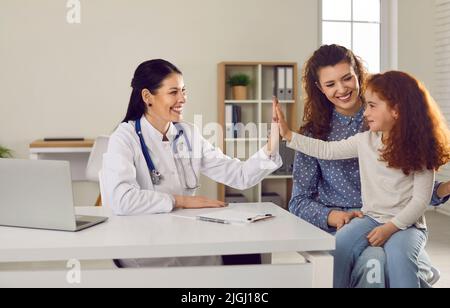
{"points": [[156, 177], [179, 152]]}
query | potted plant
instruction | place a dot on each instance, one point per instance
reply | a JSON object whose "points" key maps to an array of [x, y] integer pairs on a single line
{"points": [[239, 83], [5, 153]]}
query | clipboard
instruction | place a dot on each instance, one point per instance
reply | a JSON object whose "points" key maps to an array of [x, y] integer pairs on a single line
{"points": [[231, 216]]}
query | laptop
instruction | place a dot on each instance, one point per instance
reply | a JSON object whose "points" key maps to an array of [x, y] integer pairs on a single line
{"points": [[38, 194]]}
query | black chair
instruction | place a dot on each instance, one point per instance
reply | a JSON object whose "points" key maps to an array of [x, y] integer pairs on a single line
{"points": [[242, 259], [227, 260]]}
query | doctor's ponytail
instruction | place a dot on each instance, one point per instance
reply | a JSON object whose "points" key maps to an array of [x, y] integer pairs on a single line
{"points": [[149, 75]]}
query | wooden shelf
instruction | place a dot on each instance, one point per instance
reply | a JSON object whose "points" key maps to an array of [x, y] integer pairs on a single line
{"points": [[256, 109], [88, 143], [279, 177], [281, 102], [243, 139], [257, 101], [242, 102]]}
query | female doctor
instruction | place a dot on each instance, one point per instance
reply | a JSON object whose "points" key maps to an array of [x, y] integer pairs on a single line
{"points": [[154, 160]]}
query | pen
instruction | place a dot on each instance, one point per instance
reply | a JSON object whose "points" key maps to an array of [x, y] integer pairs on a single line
{"points": [[220, 221], [259, 217]]}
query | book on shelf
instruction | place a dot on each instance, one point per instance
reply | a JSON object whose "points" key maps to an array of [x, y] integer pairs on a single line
{"points": [[53, 139], [288, 157], [284, 82], [229, 121], [272, 197], [233, 116], [235, 198]]}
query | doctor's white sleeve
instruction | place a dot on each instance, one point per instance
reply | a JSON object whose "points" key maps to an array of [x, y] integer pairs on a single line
{"points": [[121, 189], [234, 173]]}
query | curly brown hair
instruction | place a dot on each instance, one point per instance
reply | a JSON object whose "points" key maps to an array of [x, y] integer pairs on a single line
{"points": [[420, 137], [318, 109]]}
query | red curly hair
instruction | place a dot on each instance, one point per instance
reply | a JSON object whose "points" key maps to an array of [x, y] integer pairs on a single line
{"points": [[420, 137]]}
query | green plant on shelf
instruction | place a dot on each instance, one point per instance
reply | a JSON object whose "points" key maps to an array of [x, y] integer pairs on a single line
{"points": [[239, 80], [5, 153], [239, 83]]}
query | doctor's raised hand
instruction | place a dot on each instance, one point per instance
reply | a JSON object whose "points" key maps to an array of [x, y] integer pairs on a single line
{"points": [[155, 159], [283, 126]]}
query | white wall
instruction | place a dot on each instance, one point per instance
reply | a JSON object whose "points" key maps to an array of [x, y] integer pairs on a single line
{"points": [[61, 79], [58, 79], [417, 43], [416, 39]]}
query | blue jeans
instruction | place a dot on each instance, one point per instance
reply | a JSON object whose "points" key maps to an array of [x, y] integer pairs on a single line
{"points": [[364, 267], [402, 252]]}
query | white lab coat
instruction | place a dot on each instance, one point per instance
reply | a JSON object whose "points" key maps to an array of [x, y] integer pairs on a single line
{"points": [[128, 188]]}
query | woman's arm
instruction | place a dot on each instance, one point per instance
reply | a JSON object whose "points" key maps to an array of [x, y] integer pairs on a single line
{"points": [[441, 193], [124, 194], [121, 189], [238, 174], [303, 204], [305, 188]]}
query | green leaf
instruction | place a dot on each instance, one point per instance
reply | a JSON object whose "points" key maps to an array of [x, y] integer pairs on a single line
{"points": [[239, 80], [5, 153]]}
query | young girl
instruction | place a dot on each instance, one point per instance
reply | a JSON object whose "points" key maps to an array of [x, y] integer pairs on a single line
{"points": [[408, 140], [327, 193]]}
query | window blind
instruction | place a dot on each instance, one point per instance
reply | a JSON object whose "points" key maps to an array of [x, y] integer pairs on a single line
{"points": [[442, 65]]}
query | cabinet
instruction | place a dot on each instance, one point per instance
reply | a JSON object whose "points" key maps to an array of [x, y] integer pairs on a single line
{"points": [[252, 118]]}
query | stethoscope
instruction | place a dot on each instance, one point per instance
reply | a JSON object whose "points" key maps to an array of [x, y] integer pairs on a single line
{"points": [[155, 175]]}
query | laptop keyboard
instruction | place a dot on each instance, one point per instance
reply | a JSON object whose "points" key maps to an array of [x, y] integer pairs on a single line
{"points": [[82, 223]]}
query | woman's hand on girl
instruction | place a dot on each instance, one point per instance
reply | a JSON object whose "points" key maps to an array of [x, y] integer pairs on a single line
{"points": [[380, 235], [338, 219], [189, 202], [285, 131], [443, 190]]}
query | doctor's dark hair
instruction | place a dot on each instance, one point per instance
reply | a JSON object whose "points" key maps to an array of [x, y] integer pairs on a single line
{"points": [[149, 75]]}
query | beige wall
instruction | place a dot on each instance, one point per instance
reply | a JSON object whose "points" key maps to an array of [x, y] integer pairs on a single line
{"points": [[416, 39], [73, 80], [61, 79], [417, 46]]}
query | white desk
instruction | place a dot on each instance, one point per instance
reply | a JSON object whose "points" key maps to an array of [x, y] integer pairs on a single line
{"points": [[76, 152], [169, 236]]}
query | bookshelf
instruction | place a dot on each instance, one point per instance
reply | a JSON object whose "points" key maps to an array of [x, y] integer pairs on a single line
{"points": [[255, 115]]}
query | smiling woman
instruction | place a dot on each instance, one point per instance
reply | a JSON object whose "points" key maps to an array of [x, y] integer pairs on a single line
{"points": [[333, 80], [157, 85], [155, 159], [165, 106], [340, 85]]}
